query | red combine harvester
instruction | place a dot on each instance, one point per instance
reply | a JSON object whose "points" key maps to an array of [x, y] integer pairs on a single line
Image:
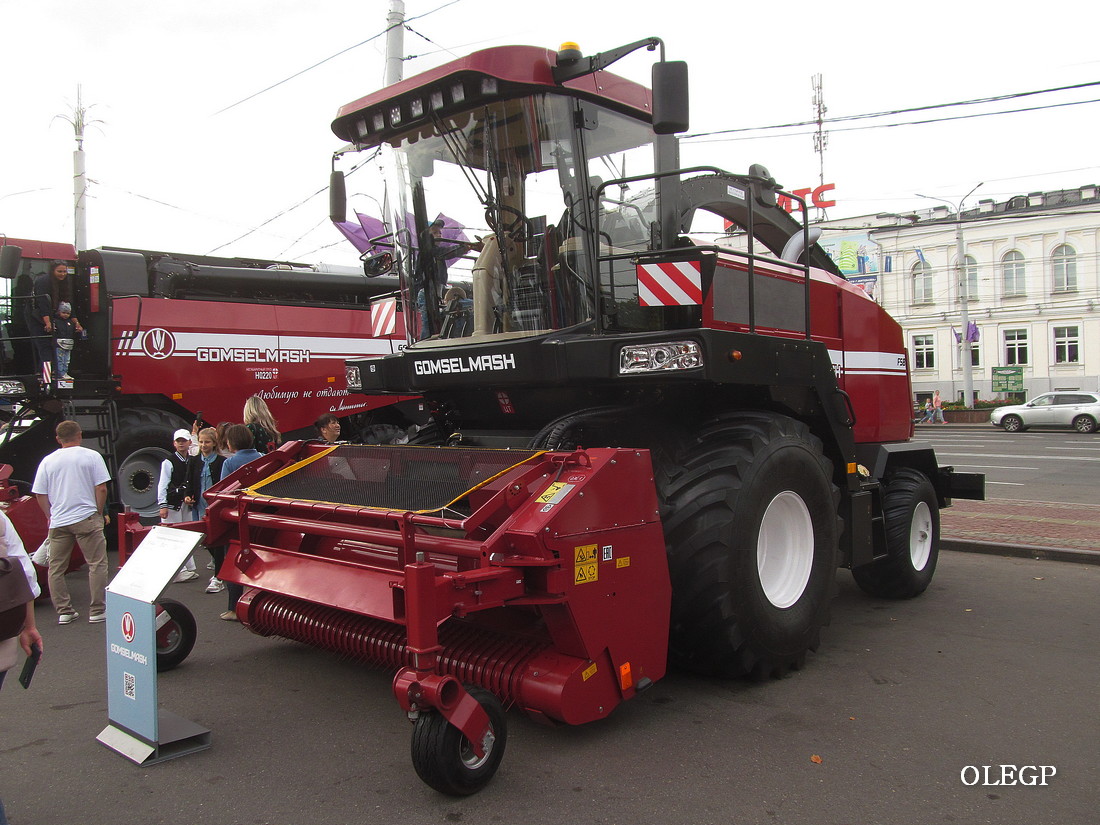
{"points": [[642, 449], [171, 336]]}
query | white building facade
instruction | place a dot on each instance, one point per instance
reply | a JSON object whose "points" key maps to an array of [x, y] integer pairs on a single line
{"points": [[1032, 283]]}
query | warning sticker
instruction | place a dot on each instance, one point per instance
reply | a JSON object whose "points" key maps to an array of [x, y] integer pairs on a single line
{"points": [[589, 672], [555, 493], [586, 569], [623, 561]]}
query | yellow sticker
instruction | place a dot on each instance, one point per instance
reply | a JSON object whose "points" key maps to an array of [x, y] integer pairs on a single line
{"points": [[623, 562], [589, 672], [554, 493], [586, 573], [584, 554]]}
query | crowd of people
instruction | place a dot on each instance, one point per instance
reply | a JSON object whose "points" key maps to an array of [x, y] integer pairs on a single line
{"points": [[71, 488]]}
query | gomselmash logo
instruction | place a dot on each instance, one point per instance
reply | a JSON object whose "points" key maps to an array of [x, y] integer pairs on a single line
{"points": [[471, 363], [158, 343]]}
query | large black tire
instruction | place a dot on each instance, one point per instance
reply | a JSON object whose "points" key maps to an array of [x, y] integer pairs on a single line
{"points": [[751, 524], [175, 635], [912, 515], [145, 439], [444, 758]]}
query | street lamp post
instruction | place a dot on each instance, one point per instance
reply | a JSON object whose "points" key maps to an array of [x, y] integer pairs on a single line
{"points": [[966, 357]]}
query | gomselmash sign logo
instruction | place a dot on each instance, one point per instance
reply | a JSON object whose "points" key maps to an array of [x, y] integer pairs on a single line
{"points": [[159, 343], [497, 362]]}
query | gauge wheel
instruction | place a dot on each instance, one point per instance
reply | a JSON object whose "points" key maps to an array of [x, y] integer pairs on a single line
{"points": [[911, 514], [445, 760], [176, 633], [1012, 424], [1084, 424]]}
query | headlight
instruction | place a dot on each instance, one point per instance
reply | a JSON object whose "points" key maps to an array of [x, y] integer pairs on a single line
{"points": [[676, 355], [352, 375], [9, 387]]}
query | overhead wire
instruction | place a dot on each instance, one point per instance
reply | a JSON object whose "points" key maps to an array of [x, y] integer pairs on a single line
{"points": [[907, 110], [334, 56]]}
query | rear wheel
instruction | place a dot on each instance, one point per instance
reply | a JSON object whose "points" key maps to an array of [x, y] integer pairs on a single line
{"points": [[145, 436], [750, 517], [176, 633], [912, 516], [1012, 424], [445, 760], [1084, 424]]}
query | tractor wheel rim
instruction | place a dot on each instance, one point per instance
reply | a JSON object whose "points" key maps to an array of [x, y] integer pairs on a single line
{"points": [[920, 536], [785, 549]]}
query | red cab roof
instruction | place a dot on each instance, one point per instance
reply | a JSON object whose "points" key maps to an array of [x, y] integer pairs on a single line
{"points": [[42, 249]]}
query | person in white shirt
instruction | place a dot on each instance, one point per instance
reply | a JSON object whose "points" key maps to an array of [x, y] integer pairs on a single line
{"points": [[71, 488]]}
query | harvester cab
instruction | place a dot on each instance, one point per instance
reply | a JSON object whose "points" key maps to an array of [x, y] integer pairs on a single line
{"points": [[642, 447]]}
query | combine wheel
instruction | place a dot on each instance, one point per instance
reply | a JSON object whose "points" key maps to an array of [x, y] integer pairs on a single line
{"points": [[912, 516], [444, 758], [750, 516], [176, 634], [145, 436]]}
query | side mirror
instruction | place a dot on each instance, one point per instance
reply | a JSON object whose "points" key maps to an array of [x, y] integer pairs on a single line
{"points": [[670, 97], [10, 258], [337, 197]]}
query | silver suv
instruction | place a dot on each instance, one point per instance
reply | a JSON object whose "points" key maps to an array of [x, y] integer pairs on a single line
{"points": [[1079, 410]]}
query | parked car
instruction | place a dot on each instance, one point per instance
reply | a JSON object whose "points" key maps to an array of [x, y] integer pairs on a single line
{"points": [[1077, 410]]}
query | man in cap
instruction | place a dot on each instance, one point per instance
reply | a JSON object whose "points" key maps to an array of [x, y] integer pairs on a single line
{"points": [[172, 490]]}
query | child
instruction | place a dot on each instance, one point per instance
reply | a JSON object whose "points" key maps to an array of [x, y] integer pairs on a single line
{"points": [[65, 330]]}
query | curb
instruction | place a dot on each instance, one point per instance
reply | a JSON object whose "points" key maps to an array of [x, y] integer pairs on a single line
{"points": [[1022, 551]]}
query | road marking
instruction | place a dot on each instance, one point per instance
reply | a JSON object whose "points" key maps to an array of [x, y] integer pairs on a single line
{"points": [[996, 467], [1006, 483], [1032, 457]]}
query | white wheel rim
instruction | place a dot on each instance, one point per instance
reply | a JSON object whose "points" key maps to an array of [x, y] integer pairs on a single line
{"points": [[920, 536], [785, 549]]}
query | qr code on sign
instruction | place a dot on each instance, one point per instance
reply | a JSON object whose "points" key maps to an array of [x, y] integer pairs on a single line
{"points": [[129, 685]]}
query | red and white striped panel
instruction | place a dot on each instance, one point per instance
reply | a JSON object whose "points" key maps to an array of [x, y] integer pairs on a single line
{"points": [[383, 318], [670, 284]]}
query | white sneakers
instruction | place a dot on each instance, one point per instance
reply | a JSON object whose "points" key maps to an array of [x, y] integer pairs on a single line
{"points": [[216, 585], [186, 576]]}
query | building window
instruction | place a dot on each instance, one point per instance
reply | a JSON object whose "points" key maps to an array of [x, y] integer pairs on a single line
{"points": [[924, 352], [1012, 270], [922, 283], [1015, 347], [1064, 263], [1067, 345], [975, 353], [970, 272]]}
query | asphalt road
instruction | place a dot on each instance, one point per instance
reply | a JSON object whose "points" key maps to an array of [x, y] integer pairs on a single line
{"points": [[996, 664], [1057, 466]]}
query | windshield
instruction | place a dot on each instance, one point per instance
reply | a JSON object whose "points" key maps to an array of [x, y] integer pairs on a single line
{"points": [[495, 210]]}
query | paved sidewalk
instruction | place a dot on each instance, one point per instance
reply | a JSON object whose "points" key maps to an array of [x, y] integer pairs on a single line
{"points": [[1038, 529]]}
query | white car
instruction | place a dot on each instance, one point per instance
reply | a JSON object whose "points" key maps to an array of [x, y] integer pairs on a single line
{"points": [[1077, 410]]}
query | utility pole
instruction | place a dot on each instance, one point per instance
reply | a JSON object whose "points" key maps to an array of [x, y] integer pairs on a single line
{"points": [[78, 121], [966, 357], [821, 137], [395, 41]]}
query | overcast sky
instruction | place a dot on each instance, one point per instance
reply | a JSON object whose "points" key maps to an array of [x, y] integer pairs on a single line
{"points": [[171, 173]]}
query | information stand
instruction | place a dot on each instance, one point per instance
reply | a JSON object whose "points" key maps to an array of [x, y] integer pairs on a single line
{"points": [[139, 729]]}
